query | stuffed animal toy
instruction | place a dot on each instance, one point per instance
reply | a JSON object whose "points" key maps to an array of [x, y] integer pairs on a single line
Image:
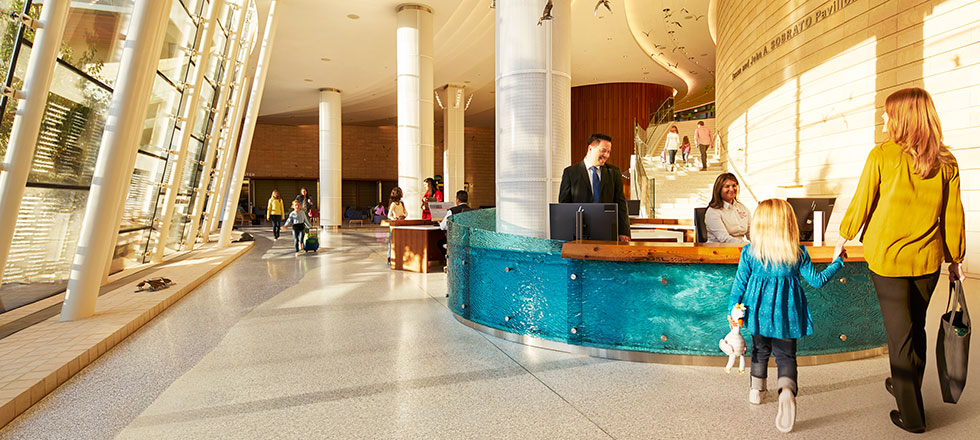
{"points": [[734, 344]]}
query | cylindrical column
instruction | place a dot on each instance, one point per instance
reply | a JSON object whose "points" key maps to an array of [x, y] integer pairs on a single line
{"points": [[331, 214], [214, 137], [226, 162], [117, 156], [415, 113], [27, 122], [258, 86], [453, 126], [533, 101], [190, 114]]}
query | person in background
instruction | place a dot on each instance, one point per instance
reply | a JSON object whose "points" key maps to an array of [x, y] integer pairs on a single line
{"points": [[396, 208], [685, 150], [702, 137], [768, 285], [461, 206], [595, 181], [306, 202], [299, 221], [671, 145], [274, 213], [726, 219], [379, 213], [432, 194], [908, 202]]}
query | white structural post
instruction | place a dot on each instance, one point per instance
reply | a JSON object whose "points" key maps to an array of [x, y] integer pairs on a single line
{"points": [[454, 111], [331, 214], [533, 100], [189, 118], [214, 137], [226, 162], [117, 156], [416, 149], [30, 103], [258, 86]]}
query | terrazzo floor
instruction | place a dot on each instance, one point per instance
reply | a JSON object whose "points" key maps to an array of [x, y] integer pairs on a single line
{"points": [[334, 345]]}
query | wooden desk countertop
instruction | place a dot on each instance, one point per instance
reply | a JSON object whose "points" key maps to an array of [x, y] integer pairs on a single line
{"points": [[407, 222], [718, 253]]}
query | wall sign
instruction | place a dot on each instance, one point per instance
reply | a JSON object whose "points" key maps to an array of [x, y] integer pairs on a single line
{"points": [[822, 13]]}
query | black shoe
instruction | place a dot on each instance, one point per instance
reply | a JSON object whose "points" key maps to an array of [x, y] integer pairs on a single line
{"points": [[897, 420], [888, 386]]}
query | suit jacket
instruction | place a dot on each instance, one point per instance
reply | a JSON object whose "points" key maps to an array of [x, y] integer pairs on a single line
{"points": [[576, 188]]}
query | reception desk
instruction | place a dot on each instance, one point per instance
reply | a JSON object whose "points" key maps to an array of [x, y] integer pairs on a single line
{"points": [[414, 245], [658, 302]]}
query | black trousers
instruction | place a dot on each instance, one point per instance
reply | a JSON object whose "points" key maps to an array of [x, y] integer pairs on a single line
{"points": [[903, 302], [703, 149], [276, 220], [783, 349]]}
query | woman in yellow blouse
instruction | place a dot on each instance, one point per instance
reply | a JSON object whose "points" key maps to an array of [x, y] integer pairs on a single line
{"points": [[274, 213], [908, 202]]}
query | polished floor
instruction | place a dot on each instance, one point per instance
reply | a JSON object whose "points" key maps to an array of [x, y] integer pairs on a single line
{"points": [[335, 345]]}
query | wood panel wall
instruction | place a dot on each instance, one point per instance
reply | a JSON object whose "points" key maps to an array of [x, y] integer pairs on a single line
{"points": [[611, 109]]}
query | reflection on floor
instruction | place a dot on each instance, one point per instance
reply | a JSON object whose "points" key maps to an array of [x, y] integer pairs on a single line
{"points": [[335, 345]]}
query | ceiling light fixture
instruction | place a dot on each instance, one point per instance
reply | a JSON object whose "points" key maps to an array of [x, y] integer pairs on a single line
{"points": [[353, 16]]}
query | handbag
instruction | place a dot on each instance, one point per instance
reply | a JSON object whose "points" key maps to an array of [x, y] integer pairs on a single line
{"points": [[953, 345]]}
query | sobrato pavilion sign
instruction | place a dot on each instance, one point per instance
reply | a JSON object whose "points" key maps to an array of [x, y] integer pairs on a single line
{"points": [[802, 25]]}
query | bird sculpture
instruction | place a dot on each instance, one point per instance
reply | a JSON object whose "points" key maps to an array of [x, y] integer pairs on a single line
{"points": [[546, 15], [154, 284], [676, 23], [602, 3]]}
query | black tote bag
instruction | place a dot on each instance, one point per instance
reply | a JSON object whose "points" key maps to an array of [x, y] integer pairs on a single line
{"points": [[953, 346]]}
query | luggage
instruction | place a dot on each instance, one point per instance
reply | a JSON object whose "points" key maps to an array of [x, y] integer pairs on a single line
{"points": [[953, 344], [312, 241]]}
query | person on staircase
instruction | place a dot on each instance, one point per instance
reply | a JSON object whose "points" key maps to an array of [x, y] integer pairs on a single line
{"points": [[726, 219], [671, 146], [702, 137]]}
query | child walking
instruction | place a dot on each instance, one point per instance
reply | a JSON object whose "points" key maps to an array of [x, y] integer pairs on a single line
{"points": [[768, 284], [299, 221]]}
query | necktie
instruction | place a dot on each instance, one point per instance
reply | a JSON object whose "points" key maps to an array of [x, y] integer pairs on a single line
{"points": [[595, 185]]}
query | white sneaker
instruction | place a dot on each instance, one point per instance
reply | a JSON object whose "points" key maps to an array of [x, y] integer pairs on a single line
{"points": [[756, 396], [786, 411]]}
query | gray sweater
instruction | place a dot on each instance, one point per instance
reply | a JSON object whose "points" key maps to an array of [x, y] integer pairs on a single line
{"points": [[297, 218]]}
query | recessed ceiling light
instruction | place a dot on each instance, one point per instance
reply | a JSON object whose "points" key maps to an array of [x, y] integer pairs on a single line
{"points": [[324, 59], [353, 16], [308, 80]]}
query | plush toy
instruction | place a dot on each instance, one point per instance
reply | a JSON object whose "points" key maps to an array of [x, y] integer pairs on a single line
{"points": [[734, 344]]}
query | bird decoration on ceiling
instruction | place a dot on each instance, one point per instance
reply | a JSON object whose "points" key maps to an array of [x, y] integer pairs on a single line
{"points": [[667, 13], [546, 15], [698, 17], [684, 10], [672, 65], [602, 3], [659, 46], [647, 33], [676, 48], [676, 23]]}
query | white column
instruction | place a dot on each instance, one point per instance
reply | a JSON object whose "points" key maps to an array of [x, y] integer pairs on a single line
{"points": [[117, 156], [226, 161], [27, 122], [533, 100], [415, 112], [258, 86], [453, 127], [214, 137], [331, 213], [176, 161]]}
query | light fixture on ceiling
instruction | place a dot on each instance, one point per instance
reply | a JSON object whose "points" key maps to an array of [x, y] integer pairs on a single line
{"points": [[353, 16]]}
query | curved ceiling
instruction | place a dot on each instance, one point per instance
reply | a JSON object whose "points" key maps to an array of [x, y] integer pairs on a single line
{"points": [[350, 45]]}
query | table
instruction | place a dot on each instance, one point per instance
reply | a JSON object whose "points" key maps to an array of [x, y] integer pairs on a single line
{"points": [[416, 248]]}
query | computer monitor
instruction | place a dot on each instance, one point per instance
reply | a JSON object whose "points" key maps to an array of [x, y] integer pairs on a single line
{"points": [[600, 221], [804, 207], [633, 208], [438, 209]]}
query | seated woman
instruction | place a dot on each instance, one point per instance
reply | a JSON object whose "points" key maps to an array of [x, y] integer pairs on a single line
{"points": [[727, 220]]}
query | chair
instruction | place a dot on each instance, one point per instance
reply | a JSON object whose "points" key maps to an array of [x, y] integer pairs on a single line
{"points": [[244, 218], [699, 226]]}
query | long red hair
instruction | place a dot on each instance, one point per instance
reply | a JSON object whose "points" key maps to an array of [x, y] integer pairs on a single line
{"points": [[913, 123]]}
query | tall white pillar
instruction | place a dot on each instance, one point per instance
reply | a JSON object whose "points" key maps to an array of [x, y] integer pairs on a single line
{"points": [[533, 101], [117, 156], [226, 162], [453, 126], [331, 212], [248, 129], [27, 122], [416, 146], [190, 115], [214, 138]]}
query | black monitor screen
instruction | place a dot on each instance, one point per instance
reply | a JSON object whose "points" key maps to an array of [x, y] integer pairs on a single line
{"points": [[600, 221], [633, 207], [804, 208]]}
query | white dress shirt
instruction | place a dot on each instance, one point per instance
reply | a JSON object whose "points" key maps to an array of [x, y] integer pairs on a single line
{"points": [[588, 169], [673, 141], [730, 224]]}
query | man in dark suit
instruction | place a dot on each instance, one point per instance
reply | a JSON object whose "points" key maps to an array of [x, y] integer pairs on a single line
{"points": [[578, 182]]}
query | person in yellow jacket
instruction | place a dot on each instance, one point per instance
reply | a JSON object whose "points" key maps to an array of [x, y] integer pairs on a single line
{"points": [[908, 202], [274, 213]]}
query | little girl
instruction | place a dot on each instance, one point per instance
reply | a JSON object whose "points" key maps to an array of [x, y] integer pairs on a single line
{"points": [[300, 221], [685, 150], [768, 284]]}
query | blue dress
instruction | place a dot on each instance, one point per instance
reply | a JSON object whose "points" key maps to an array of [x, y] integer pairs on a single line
{"points": [[775, 305]]}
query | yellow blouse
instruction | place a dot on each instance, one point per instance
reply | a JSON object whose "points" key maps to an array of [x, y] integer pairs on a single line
{"points": [[275, 207], [911, 224]]}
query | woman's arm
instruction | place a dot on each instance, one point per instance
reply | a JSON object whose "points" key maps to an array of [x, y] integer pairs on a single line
{"points": [[864, 197], [741, 278], [817, 279], [951, 220], [717, 232]]}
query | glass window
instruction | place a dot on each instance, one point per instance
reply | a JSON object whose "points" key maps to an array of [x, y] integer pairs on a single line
{"points": [[204, 105], [175, 55], [94, 36], [159, 125], [45, 236], [213, 69]]}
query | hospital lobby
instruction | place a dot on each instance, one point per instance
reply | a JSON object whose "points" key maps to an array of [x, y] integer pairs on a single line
{"points": [[483, 219]]}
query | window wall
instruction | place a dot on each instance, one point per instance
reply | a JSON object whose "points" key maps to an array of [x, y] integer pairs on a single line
{"points": [[51, 212]]}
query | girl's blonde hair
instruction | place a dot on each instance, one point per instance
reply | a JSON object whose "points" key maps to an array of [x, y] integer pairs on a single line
{"points": [[913, 123], [295, 204], [775, 234]]}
